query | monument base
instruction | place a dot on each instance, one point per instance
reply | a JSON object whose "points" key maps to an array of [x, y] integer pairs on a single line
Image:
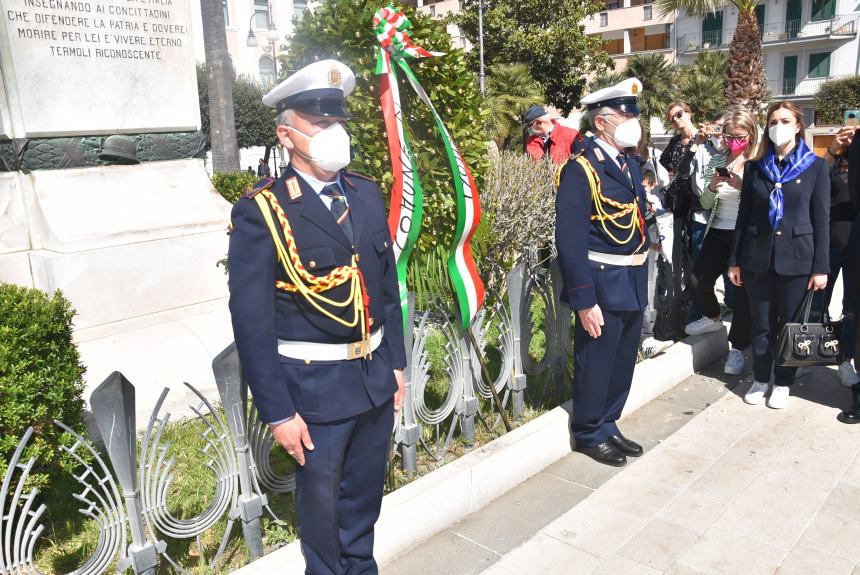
{"points": [[135, 249]]}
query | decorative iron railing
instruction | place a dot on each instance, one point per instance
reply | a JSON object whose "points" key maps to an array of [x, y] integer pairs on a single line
{"points": [[129, 496]]}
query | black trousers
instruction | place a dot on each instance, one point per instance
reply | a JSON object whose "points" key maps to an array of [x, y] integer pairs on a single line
{"points": [[711, 264], [339, 492], [774, 300]]}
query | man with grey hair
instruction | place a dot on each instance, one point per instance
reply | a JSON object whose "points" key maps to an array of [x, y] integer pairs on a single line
{"points": [[602, 248], [316, 316]]}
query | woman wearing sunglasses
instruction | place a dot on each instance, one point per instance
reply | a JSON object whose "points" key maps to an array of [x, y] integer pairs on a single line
{"points": [[721, 196], [677, 158], [781, 243]]}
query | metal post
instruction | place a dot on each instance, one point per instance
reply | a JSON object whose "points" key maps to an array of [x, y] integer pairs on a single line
{"points": [[467, 407], [481, 42], [228, 377], [113, 407], [515, 281], [410, 430]]}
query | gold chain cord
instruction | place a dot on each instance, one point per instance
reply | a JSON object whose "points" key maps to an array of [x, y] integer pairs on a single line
{"points": [[599, 201], [308, 285]]}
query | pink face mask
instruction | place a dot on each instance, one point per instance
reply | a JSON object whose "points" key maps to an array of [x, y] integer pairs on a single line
{"points": [[737, 146]]}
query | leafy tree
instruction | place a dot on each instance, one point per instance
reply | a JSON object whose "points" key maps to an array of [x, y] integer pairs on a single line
{"points": [[545, 35], [836, 96], [701, 85], [510, 91], [254, 122], [343, 29], [744, 78]]}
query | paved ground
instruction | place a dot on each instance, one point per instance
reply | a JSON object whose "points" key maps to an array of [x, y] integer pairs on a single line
{"points": [[724, 488]]}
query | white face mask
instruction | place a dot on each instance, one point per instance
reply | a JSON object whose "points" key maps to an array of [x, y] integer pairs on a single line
{"points": [[781, 134], [329, 148], [717, 143], [628, 133]]}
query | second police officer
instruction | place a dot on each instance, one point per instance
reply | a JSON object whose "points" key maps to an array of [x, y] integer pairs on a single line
{"points": [[602, 248]]}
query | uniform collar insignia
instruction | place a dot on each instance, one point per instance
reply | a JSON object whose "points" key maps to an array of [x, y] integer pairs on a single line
{"points": [[598, 153], [293, 188]]}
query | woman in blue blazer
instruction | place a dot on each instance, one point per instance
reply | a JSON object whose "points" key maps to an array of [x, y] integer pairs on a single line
{"points": [[781, 241]]}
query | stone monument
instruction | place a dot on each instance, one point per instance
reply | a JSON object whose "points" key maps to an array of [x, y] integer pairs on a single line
{"points": [[103, 191]]}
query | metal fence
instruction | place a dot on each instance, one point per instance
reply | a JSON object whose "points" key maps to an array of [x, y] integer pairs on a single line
{"points": [[128, 499]]}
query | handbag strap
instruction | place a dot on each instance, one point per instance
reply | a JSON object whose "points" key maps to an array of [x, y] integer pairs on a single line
{"points": [[805, 307]]}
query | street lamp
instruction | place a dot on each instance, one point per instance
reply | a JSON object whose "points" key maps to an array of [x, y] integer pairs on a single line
{"points": [[271, 35]]}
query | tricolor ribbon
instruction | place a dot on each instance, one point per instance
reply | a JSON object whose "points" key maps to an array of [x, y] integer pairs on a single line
{"points": [[404, 219]]}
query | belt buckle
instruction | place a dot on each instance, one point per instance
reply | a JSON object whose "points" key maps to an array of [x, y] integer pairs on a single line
{"points": [[357, 349]]}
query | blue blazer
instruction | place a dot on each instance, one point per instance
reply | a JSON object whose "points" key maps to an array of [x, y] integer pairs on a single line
{"points": [[586, 283], [321, 391], [801, 243]]}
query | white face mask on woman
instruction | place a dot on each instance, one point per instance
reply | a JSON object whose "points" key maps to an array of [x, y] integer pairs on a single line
{"points": [[329, 148], [781, 134], [628, 133]]}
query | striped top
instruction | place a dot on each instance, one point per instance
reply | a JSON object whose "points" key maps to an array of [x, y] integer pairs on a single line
{"points": [[724, 203]]}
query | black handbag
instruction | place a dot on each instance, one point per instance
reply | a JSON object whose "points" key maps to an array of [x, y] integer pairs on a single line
{"points": [[804, 343]]}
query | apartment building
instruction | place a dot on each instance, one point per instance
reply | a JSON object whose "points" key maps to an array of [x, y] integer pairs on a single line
{"points": [[440, 9], [630, 27], [805, 43], [256, 30]]}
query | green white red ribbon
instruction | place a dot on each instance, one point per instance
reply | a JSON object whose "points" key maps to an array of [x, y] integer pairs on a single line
{"points": [[404, 219]]}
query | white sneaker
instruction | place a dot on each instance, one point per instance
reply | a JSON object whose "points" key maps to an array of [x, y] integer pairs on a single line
{"points": [[734, 362], [651, 346], [847, 375], [755, 394], [703, 325], [778, 397]]}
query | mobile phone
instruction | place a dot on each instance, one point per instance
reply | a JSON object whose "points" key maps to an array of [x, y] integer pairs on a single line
{"points": [[851, 117], [724, 172]]}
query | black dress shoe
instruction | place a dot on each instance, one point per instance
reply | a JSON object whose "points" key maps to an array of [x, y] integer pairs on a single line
{"points": [[626, 446], [852, 414], [604, 453]]}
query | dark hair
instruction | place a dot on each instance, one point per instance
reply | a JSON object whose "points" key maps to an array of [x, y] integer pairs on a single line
{"points": [[650, 177]]}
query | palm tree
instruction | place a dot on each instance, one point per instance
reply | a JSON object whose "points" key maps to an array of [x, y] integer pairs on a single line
{"points": [[701, 85], [219, 71], [658, 84], [744, 79], [510, 91]]}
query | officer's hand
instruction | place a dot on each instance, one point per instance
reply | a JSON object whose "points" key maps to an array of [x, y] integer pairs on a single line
{"points": [[735, 276], [591, 319], [401, 390], [291, 435], [817, 282]]}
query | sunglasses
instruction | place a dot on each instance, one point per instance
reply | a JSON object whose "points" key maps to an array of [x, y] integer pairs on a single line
{"points": [[729, 138], [677, 115]]}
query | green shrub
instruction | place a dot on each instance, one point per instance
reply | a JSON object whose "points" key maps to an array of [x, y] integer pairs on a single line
{"points": [[41, 379], [834, 97], [231, 185]]}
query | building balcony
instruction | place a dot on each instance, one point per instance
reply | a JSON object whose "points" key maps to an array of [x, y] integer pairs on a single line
{"points": [[775, 33], [797, 88]]}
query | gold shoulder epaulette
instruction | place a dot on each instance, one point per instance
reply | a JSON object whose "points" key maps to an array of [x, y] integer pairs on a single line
{"points": [[262, 184]]}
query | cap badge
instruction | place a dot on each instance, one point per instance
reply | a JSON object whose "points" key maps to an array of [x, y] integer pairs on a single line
{"points": [[634, 88], [334, 78]]}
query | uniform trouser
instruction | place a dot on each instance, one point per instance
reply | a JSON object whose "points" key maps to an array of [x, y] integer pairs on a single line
{"points": [[774, 300], [603, 371], [711, 263], [339, 492]]}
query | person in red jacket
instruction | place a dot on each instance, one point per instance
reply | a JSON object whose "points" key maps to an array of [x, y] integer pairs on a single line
{"points": [[546, 135]]}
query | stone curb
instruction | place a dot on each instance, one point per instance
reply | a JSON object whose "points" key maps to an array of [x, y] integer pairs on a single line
{"points": [[428, 505]]}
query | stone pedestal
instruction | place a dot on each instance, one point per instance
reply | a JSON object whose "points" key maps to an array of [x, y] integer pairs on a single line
{"points": [[134, 247]]}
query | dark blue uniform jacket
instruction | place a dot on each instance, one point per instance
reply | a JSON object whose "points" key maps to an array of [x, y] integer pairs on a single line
{"points": [[800, 244], [586, 283], [321, 391]]}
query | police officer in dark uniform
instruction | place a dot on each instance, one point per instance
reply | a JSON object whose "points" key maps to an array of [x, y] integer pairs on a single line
{"points": [[603, 247], [316, 317]]}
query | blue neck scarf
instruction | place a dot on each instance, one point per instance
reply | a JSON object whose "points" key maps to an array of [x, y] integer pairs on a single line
{"points": [[800, 158]]}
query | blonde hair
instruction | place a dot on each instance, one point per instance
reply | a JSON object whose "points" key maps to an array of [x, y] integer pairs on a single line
{"points": [[798, 117], [740, 118]]}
